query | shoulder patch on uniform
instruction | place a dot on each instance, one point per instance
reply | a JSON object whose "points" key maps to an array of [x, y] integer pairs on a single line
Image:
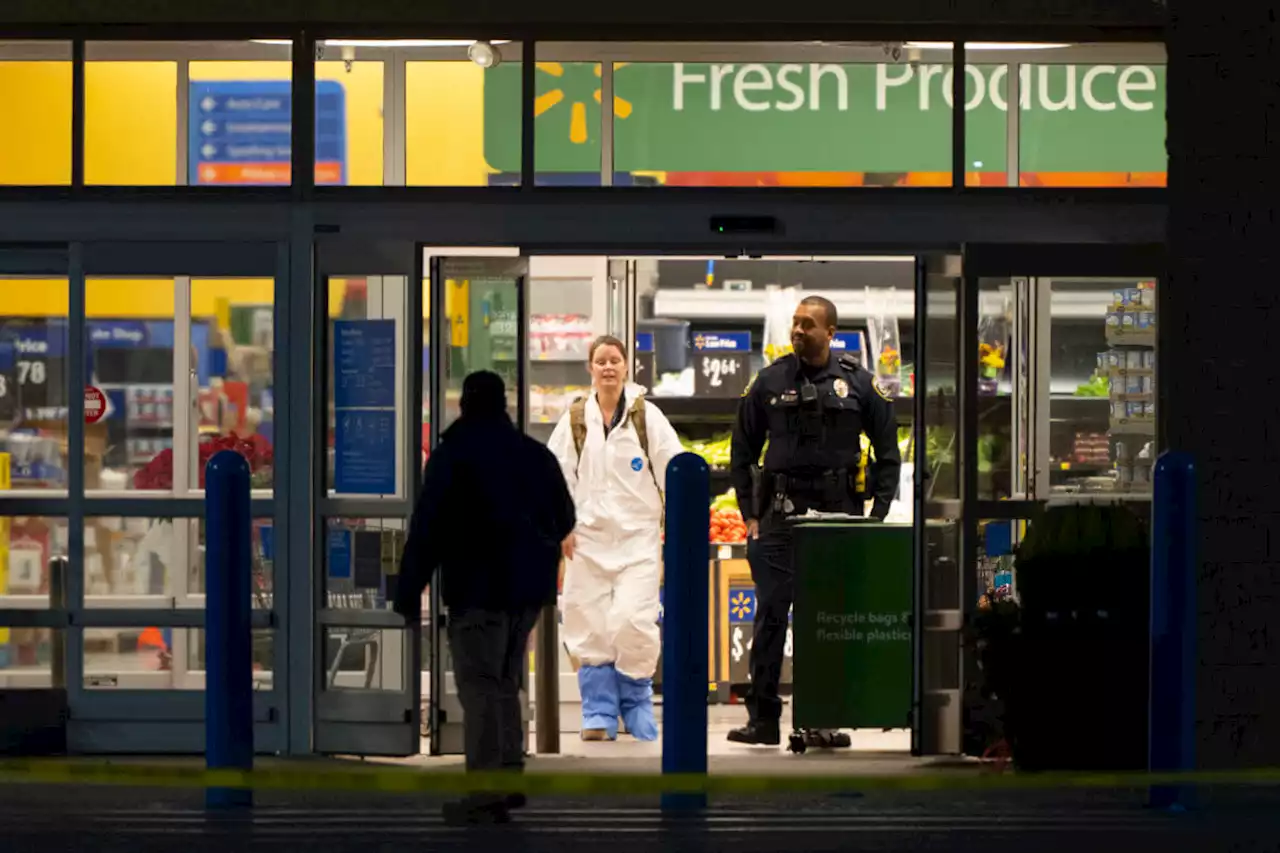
{"points": [[751, 383], [880, 389]]}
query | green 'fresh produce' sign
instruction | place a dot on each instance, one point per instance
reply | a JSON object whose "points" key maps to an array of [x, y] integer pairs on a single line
{"points": [[781, 117]]}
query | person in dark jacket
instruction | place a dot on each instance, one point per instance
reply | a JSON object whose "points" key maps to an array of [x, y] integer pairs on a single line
{"points": [[493, 518]]}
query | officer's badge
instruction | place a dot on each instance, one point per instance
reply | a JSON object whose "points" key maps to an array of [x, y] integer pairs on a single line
{"points": [[880, 389], [841, 388]]}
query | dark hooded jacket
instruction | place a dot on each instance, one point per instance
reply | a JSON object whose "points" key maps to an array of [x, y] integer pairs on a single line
{"points": [[492, 513]]}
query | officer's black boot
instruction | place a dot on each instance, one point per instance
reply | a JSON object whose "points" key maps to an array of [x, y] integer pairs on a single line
{"points": [[757, 733]]}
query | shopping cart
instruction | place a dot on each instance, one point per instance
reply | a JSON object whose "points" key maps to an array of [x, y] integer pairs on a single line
{"points": [[369, 639]]}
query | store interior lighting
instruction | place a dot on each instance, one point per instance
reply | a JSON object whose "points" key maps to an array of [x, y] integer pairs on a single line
{"points": [[467, 43], [984, 45]]}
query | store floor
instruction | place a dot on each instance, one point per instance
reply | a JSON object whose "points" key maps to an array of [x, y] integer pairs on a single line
{"points": [[873, 751]]}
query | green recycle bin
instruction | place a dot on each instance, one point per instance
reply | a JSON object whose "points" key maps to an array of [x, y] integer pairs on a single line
{"points": [[852, 624]]}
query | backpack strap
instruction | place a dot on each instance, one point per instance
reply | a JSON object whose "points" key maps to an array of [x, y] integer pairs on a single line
{"points": [[578, 427], [639, 421]]}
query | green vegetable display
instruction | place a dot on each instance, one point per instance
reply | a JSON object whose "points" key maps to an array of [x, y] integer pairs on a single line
{"points": [[1098, 386]]}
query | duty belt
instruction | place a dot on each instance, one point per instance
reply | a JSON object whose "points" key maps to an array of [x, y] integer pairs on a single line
{"points": [[829, 487]]}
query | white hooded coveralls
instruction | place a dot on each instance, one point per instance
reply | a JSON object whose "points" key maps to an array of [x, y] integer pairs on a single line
{"points": [[610, 597]]}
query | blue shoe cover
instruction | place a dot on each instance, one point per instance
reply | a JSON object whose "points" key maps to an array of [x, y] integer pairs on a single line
{"points": [[600, 704], [636, 696]]}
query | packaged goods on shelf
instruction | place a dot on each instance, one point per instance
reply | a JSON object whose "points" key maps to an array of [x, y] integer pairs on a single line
{"points": [[548, 403], [560, 337]]}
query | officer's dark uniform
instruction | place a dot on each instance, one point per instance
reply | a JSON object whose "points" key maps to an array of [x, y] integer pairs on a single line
{"points": [[813, 419]]}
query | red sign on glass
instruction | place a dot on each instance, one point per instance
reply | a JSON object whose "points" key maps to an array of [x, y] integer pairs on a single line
{"points": [[95, 405]]}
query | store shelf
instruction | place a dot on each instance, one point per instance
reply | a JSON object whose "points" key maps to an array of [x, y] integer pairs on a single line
{"points": [[1133, 426], [697, 408], [716, 304], [1140, 338]]}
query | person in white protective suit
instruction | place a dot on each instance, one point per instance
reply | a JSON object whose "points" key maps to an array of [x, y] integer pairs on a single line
{"points": [[614, 447]]}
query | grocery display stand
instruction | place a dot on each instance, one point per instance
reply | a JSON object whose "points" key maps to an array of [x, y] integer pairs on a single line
{"points": [[1130, 364]]}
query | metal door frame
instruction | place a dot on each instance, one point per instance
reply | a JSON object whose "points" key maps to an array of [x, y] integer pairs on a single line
{"points": [[142, 719], [936, 712], [1032, 260], [446, 734], [362, 721]]}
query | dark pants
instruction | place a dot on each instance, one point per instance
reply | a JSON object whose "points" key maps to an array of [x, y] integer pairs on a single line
{"points": [[489, 649], [774, 578]]}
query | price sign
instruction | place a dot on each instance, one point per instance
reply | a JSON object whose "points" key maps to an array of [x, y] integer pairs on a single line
{"points": [[643, 373], [32, 366], [741, 608], [721, 363]]}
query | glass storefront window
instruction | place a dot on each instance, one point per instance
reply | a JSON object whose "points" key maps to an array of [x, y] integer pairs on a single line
{"points": [[462, 121], [233, 352], [1102, 381], [33, 383], [149, 439], [129, 343], [160, 562], [365, 659], [362, 558], [27, 545], [367, 386], [35, 130], [161, 659]]}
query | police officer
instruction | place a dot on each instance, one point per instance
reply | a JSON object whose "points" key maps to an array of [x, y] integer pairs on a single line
{"points": [[812, 406]]}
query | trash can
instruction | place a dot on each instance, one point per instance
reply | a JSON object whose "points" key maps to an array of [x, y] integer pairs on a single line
{"points": [[852, 624]]}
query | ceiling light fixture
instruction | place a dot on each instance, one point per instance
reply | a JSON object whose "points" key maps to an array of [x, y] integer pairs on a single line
{"points": [[484, 54]]}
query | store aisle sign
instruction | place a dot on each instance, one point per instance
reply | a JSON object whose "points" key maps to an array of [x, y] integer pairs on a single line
{"points": [[693, 117], [721, 363], [239, 132]]}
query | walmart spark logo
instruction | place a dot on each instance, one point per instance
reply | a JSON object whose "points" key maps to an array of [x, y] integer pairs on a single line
{"points": [[574, 86], [742, 604]]}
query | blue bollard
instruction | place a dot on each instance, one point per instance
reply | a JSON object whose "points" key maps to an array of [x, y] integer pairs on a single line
{"points": [[685, 627], [1171, 737], [228, 697]]}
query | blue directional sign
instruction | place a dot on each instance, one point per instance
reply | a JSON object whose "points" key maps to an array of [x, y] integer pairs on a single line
{"points": [[364, 364], [239, 133]]}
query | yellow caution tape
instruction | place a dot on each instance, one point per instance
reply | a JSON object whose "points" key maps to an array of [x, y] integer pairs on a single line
{"points": [[308, 776]]}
